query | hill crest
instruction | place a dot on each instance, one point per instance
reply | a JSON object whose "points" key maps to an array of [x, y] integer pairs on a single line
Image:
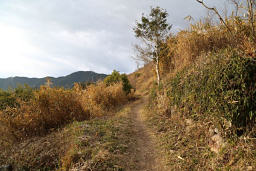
{"points": [[63, 81]]}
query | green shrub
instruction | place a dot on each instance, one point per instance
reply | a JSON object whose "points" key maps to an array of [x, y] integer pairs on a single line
{"points": [[25, 93], [84, 85], [11, 97], [116, 77], [222, 84], [126, 84], [6, 99]]}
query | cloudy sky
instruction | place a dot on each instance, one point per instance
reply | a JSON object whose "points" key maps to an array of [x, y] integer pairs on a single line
{"points": [[57, 37]]}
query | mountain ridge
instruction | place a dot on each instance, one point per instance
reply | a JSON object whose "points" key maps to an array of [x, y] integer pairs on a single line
{"points": [[63, 81]]}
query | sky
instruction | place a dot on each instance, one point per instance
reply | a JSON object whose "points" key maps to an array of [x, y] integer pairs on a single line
{"points": [[41, 38]]}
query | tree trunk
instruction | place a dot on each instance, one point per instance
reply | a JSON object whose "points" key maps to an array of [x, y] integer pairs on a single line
{"points": [[157, 70], [251, 15]]}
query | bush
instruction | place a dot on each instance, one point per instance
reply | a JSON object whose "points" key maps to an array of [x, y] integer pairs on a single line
{"points": [[126, 84], [101, 98], [6, 99], [24, 93], [222, 84], [11, 97], [52, 108], [116, 77]]}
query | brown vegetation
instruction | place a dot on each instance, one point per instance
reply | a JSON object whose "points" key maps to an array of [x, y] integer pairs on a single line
{"points": [[49, 110], [203, 112], [54, 107]]}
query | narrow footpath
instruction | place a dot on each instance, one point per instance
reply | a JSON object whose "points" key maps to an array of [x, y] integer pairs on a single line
{"points": [[146, 153]]}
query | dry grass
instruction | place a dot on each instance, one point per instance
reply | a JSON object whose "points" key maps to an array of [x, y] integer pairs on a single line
{"points": [[32, 135], [54, 107], [185, 47], [51, 108], [143, 79], [38, 152], [186, 143], [101, 144], [99, 99], [35, 135]]}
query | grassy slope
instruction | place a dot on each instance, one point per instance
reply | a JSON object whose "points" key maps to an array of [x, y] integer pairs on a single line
{"points": [[106, 143], [101, 144], [186, 145], [98, 144], [188, 141]]}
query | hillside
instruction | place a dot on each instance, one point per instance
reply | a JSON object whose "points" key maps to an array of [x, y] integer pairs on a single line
{"points": [[65, 81], [190, 108]]}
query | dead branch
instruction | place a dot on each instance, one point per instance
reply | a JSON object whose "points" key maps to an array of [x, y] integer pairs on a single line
{"points": [[237, 6], [216, 12]]}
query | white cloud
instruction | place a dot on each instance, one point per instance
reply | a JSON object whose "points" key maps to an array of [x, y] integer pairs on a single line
{"points": [[57, 37]]}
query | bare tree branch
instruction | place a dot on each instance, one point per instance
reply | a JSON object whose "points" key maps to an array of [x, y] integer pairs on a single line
{"points": [[216, 12], [237, 6]]}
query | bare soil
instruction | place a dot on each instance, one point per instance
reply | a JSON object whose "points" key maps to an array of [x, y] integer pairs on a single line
{"points": [[146, 153]]}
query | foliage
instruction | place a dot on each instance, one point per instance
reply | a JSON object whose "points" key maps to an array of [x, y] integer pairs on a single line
{"points": [[154, 27], [24, 93], [126, 84], [84, 85], [152, 30], [6, 99], [11, 97], [222, 84], [115, 78]]}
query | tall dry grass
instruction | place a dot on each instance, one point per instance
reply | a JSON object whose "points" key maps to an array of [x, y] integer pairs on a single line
{"points": [[54, 107], [185, 47]]}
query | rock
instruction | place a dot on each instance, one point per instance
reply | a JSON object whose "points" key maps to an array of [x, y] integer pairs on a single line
{"points": [[216, 142], [216, 131], [6, 168]]}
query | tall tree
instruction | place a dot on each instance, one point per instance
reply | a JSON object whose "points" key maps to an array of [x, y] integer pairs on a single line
{"points": [[152, 30]]}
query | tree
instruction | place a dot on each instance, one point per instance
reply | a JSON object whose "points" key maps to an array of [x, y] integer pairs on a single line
{"points": [[116, 77], [126, 84], [152, 30]]}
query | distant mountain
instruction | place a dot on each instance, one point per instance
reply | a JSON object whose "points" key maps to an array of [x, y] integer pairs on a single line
{"points": [[66, 81]]}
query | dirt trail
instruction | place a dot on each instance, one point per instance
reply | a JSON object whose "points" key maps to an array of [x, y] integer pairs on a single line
{"points": [[147, 155]]}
